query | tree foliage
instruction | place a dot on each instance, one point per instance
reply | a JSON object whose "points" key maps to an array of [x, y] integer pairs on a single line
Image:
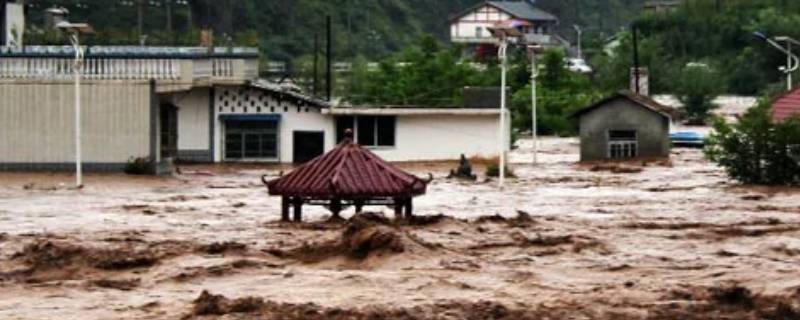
{"points": [[697, 87], [756, 150], [426, 73], [560, 93], [716, 32]]}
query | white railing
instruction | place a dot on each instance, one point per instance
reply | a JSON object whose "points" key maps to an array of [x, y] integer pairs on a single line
{"points": [[222, 68], [93, 68]]}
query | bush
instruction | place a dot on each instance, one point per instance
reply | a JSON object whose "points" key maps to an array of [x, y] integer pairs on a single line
{"points": [[138, 166], [493, 170], [756, 150]]}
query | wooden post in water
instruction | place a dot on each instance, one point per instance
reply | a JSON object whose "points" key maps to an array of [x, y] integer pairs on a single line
{"points": [[285, 209]]}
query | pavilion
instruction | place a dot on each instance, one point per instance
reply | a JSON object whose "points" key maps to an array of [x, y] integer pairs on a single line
{"points": [[347, 175]]}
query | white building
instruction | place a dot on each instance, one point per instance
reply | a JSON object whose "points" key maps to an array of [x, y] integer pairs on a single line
{"points": [[12, 22], [471, 25], [192, 105]]}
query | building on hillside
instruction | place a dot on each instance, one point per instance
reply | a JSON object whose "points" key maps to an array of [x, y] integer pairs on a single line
{"points": [[12, 22], [786, 106], [661, 6], [191, 105], [471, 26], [624, 126]]}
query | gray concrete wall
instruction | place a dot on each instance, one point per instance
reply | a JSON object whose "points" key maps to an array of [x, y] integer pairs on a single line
{"points": [[622, 114], [37, 124]]}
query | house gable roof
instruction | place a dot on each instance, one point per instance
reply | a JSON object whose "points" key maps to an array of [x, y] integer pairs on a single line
{"points": [[284, 92], [640, 100], [786, 106], [519, 9], [523, 10]]}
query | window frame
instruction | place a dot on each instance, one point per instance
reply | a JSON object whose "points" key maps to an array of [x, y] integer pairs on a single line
{"points": [[622, 148], [375, 144]]}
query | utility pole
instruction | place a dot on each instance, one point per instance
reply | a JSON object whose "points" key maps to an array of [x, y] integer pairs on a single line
{"points": [[636, 60], [168, 7], [140, 17], [329, 58], [315, 85]]}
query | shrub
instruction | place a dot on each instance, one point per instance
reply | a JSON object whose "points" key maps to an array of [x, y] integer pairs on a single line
{"points": [[757, 150], [493, 170], [138, 166]]}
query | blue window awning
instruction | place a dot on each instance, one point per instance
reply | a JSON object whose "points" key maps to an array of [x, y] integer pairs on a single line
{"points": [[250, 117]]}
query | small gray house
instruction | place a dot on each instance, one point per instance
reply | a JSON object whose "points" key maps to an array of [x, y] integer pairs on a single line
{"points": [[624, 126]]}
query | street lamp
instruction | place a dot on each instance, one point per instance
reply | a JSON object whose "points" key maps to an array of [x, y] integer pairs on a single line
{"points": [[792, 61], [503, 31], [532, 48], [75, 30]]}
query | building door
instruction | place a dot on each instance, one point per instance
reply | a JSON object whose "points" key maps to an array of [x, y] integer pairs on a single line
{"points": [[308, 145], [168, 121]]}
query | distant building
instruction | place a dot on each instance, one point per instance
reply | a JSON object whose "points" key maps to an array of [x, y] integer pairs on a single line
{"points": [[661, 6], [12, 22], [624, 126], [786, 106], [470, 26]]}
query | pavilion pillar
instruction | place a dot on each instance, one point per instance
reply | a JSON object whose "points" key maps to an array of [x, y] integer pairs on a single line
{"points": [[336, 207], [409, 204], [398, 208], [285, 203], [359, 204], [298, 209]]}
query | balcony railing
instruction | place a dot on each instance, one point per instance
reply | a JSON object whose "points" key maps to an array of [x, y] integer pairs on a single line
{"points": [[176, 65], [93, 68]]}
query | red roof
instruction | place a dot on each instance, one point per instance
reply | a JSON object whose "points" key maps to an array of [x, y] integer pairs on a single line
{"points": [[786, 106], [347, 172]]}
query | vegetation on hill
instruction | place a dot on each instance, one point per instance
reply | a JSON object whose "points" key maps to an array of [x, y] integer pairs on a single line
{"points": [[716, 33]]}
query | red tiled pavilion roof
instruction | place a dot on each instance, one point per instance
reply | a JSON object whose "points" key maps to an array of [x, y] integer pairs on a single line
{"points": [[786, 106], [347, 172]]}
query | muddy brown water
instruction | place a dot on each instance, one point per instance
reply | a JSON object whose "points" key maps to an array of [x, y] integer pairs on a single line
{"points": [[597, 244]]}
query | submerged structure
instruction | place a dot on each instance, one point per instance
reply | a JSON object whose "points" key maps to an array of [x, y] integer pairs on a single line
{"points": [[347, 175], [624, 126]]}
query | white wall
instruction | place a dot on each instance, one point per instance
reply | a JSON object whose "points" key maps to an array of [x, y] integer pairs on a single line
{"points": [[304, 121], [15, 23], [37, 122], [193, 122], [443, 137], [465, 27]]}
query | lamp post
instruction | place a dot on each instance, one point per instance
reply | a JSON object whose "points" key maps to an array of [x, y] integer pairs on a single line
{"points": [[503, 31], [534, 128], [789, 56], [74, 30], [792, 61]]}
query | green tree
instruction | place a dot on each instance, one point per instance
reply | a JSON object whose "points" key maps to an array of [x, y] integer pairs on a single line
{"points": [[560, 93], [757, 151], [697, 87]]}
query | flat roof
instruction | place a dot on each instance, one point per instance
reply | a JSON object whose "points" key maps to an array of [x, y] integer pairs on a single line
{"points": [[411, 111], [122, 52]]}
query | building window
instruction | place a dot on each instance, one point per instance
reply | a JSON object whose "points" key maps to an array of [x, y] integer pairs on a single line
{"points": [[251, 140], [369, 131], [622, 144], [478, 32]]}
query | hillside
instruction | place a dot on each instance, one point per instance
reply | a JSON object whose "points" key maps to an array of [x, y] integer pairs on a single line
{"points": [[285, 29]]}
